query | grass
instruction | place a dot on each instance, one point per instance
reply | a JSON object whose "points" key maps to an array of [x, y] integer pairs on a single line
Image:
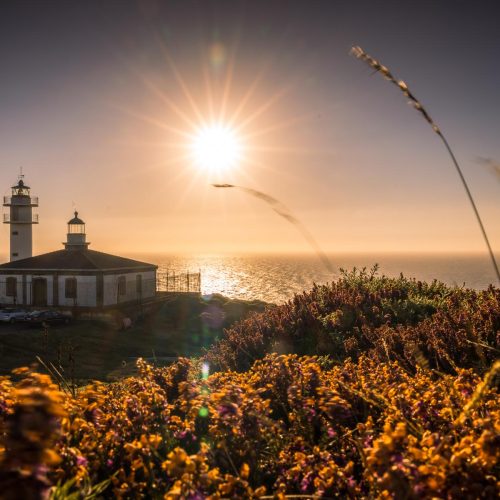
{"points": [[403, 87], [97, 350]]}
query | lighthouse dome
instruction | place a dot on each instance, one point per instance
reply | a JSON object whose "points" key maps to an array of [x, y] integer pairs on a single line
{"points": [[76, 220]]}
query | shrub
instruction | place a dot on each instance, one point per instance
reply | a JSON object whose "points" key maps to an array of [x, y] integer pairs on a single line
{"points": [[289, 426], [389, 318]]}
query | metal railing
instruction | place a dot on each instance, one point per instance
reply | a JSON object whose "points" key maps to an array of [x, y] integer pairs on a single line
{"points": [[21, 201], [32, 219], [170, 281]]}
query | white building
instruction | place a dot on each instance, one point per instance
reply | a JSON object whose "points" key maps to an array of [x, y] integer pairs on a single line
{"points": [[75, 277], [21, 219]]}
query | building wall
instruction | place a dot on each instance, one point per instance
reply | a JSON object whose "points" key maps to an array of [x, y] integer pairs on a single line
{"points": [[4, 299], [86, 291], [110, 292], [29, 291], [21, 244], [149, 284]]}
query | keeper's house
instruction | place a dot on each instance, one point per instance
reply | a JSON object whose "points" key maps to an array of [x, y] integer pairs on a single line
{"points": [[76, 277]]}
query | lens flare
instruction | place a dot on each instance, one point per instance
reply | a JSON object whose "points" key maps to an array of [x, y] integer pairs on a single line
{"points": [[217, 55], [205, 370]]}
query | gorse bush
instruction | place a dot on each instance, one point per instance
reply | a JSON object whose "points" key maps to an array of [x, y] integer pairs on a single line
{"points": [[388, 318], [289, 426]]}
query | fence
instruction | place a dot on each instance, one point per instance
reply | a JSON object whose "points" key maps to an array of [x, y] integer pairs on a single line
{"points": [[170, 281]]}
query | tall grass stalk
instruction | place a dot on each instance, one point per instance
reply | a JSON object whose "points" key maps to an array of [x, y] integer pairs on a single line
{"points": [[284, 212], [384, 71]]}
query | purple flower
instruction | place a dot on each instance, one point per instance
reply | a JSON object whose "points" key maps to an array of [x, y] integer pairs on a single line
{"points": [[226, 409], [306, 482], [196, 496]]}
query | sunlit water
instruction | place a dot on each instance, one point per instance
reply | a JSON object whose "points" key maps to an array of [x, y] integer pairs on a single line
{"points": [[275, 278]]}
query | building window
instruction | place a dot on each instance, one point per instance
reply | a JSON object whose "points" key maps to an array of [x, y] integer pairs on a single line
{"points": [[15, 233], [70, 288], [11, 287], [122, 286], [138, 284], [15, 254]]}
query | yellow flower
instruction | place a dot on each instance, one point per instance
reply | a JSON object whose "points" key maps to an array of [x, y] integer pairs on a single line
{"points": [[245, 471]]}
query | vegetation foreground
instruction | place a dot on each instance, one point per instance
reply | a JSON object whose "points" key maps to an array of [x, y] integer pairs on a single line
{"points": [[386, 388]]}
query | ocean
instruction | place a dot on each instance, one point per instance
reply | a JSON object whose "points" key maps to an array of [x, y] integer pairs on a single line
{"points": [[276, 278]]}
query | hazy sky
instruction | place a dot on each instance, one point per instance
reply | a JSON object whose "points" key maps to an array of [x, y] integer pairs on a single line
{"points": [[97, 100]]}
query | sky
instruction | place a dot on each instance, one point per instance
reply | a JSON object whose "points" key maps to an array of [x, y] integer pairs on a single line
{"points": [[100, 101]]}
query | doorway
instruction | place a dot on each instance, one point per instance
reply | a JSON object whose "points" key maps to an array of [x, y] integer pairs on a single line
{"points": [[39, 292]]}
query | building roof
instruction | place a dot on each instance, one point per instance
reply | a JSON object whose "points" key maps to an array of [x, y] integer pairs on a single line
{"points": [[20, 184], [75, 260], [76, 219]]}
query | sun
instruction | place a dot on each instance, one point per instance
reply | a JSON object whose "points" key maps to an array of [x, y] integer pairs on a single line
{"points": [[216, 148]]}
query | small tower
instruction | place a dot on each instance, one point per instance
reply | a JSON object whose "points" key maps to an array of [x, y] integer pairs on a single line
{"points": [[76, 238], [21, 219]]}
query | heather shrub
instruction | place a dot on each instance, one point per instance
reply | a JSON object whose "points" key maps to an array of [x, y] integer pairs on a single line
{"points": [[389, 318]]}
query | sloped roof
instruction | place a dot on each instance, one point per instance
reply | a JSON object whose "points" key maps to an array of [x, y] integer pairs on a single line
{"points": [[75, 260]]}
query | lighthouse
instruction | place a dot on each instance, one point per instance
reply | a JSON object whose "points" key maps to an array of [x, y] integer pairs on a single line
{"points": [[76, 237], [21, 219]]}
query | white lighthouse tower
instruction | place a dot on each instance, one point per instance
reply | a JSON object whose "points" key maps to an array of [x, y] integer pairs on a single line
{"points": [[21, 219]]}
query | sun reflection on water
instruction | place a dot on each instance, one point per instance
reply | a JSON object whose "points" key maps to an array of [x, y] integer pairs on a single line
{"points": [[275, 278]]}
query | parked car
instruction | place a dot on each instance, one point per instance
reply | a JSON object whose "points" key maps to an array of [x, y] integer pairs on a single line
{"points": [[40, 317], [12, 314]]}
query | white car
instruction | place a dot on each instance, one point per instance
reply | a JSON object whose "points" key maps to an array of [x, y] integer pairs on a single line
{"points": [[11, 315]]}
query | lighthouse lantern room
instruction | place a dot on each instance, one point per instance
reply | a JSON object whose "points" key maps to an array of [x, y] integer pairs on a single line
{"points": [[21, 219], [76, 237]]}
